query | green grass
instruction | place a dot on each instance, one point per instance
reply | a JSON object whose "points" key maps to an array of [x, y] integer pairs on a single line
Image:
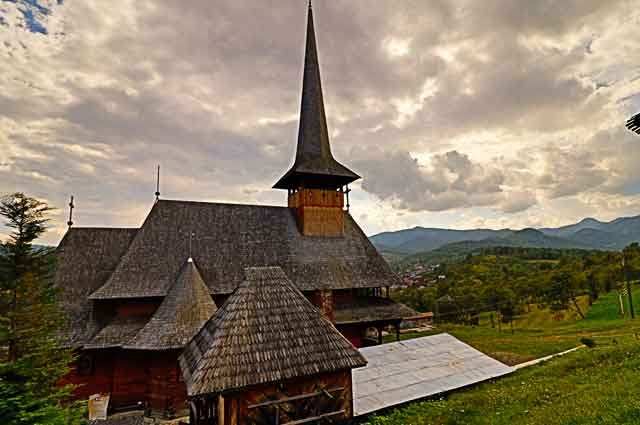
{"points": [[590, 386], [602, 323], [607, 309], [544, 317]]}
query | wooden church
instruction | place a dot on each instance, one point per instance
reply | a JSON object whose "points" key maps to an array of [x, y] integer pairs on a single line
{"points": [[137, 297]]}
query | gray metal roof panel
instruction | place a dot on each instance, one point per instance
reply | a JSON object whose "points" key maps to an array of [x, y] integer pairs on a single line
{"points": [[409, 370]]}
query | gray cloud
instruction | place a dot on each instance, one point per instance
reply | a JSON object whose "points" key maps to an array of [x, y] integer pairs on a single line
{"points": [[450, 181], [211, 91]]}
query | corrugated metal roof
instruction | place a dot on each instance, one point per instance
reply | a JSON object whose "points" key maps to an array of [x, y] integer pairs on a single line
{"points": [[403, 371]]}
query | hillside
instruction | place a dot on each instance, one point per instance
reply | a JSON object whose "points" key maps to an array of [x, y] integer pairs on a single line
{"points": [[420, 239], [586, 234], [554, 392]]}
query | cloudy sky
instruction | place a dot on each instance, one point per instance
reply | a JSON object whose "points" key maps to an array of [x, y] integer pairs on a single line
{"points": [[457, 114]]}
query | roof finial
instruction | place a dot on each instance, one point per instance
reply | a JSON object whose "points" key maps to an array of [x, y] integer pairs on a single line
{"points": [[158, 184], [309, 4], [71, 207]]}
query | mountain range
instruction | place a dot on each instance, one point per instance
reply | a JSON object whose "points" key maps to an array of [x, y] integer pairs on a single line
{"points": [[586, 234]]}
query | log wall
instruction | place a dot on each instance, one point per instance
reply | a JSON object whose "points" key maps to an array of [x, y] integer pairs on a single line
{"points": [[248, 407], [319, 211], [131, 377]]}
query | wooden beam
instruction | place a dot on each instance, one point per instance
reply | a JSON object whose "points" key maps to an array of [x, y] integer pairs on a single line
{"points": [[315, 418], [294, 398]]}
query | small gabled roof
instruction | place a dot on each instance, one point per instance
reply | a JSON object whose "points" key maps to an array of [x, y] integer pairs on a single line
{"points": [[117, 333], [314, 164], [371, 309], [182, 313], [265, 332]]}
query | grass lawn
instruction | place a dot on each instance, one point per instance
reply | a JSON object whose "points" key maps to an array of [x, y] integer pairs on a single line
{"points": [[590, 386], [602, 323]]}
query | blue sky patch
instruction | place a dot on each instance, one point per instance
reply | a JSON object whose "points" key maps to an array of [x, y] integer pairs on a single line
{"points": [[33, 12]]}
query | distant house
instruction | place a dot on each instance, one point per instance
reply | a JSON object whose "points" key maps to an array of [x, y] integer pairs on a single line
{"points": [[136, 297]]}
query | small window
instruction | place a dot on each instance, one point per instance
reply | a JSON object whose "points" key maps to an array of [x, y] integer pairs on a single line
{"points": [[84, 364]]}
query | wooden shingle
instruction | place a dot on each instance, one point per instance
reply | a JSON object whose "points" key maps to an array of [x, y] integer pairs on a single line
{"points": [[86, 257], [265, 332], [182, 313], [227, 238]]}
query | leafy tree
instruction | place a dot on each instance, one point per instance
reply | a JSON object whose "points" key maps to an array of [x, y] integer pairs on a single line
{"points": [[565, 285], [32, 364]]}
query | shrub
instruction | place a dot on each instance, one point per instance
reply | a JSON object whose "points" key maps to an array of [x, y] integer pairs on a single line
{"points": [[589, 342]]}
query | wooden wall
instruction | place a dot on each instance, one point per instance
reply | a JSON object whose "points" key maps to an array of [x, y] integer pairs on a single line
{"points": [[130, 377], [91, 372], [323, 300], [319, 211], [316, 198], [167, 390], [256, 405]]}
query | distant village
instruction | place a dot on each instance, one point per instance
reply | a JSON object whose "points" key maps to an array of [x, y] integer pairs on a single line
{"points": [[421, 276]]}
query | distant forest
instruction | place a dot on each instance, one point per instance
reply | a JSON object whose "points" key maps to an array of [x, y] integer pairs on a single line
{"points": [[507, 281]]}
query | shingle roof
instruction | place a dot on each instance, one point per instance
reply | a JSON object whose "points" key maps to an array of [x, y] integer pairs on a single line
{"points": [[266, 331], [182, 313], [118, 332], [314, 164], [371, 309], [228, 238], [86, 257]]}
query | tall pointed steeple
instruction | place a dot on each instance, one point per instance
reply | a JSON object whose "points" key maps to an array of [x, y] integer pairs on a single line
{"points": [[314, 166]]}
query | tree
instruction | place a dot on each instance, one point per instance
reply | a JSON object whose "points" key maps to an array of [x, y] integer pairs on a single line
{"points": [[32, 363], [565, 285], [631, 258]]}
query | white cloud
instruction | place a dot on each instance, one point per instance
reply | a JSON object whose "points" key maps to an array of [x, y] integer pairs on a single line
{"points": [[496, 111]]}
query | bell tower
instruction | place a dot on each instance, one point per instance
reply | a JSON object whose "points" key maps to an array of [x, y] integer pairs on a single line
{"points": [[316, 183]]}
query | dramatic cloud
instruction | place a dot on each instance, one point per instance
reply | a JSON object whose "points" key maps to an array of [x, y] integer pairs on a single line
{"points": [[449, 181], [454, 112]]}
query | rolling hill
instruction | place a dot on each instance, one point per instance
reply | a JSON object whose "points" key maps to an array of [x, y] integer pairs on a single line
{"points": [[586, 234]]}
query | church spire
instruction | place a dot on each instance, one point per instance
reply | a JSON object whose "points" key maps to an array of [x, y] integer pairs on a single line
{"points": [[314, 164]]}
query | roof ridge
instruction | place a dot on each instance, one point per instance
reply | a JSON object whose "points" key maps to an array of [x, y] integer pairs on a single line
{"points": [[139, 235], [163, 200]]}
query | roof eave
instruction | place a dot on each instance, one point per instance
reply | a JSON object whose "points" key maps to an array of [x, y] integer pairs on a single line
{"points": [[293, 178]]}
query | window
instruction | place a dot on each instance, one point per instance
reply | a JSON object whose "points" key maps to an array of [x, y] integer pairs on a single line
{"points": [[84, 364]]}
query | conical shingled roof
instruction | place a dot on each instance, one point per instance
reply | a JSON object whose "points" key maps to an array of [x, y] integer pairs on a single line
{"points": [[183, 312], [265, 332], [314, 165]]}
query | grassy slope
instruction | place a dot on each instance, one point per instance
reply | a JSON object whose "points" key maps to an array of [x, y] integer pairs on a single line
{"points": [[591, 386], [602, 323]]}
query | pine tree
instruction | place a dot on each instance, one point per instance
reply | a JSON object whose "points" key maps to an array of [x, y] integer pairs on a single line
{"points": [[32, 362]]}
